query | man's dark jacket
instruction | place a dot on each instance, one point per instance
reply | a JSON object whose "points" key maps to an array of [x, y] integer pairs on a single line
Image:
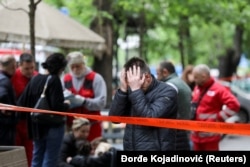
{"points": [[159, 101], [184, 102], [7, 121]]}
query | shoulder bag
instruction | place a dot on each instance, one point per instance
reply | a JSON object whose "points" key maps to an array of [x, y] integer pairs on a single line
{"points": [[44, 118]]}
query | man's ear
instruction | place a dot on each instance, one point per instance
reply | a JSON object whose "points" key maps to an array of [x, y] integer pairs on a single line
{"points": [[165, 71], [147, 75]]}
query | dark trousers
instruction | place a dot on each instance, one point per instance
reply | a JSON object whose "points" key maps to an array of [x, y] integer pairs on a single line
{"points": [[7, 135]]}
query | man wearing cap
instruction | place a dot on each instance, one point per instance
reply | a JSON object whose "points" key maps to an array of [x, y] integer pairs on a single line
{"points": [[89, 87]]}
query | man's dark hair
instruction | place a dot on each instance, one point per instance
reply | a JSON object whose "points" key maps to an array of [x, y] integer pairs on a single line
{"points": [[138, 62], [26, 57], [168, 66]]}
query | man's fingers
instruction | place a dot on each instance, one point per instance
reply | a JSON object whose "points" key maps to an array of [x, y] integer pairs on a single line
{"points": [[130, 72], [123, 73], [138, 71], [143, 78], [134, 70], [134, 73]]}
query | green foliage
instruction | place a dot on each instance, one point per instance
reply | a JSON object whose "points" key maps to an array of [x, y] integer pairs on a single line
{"points": [[81, 10], [211, 25]]}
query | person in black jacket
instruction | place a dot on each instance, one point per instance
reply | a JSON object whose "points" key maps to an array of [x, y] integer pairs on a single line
{"points": [[8, 119], [77, 151], [70, 146], [47, 138], [105, 156], [166, 73], [141, 95]]}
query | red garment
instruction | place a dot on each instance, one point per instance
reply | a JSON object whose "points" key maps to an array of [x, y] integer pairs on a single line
{"points": [[211, 109], [87, 92], [22, 139], [19, 82], [208, 146]]}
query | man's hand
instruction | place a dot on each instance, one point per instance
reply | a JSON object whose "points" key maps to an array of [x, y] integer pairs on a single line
{"points": [[67, 93], [123, 81], [67, 102], [4, 112], [69, 159], [80, 98], [134, 78]]}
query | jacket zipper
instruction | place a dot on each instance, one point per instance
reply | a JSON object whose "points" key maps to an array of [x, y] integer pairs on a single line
{"points": [[133, 136]]}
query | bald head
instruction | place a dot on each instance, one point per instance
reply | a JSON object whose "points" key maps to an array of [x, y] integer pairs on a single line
{"points": [[8, 64], [201, 74], [202, 68]]}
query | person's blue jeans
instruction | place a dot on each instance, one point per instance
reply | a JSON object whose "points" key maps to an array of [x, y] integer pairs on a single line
{"points": [[46, 150]]}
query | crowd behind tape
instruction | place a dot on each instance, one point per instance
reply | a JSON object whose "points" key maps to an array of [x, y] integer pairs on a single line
{"points": [[214, 127]]}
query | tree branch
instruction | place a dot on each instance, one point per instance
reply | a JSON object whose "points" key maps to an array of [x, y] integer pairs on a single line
{"points": [[37, 2], [13, 9]]}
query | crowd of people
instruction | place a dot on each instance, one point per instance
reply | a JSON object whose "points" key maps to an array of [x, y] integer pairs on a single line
{"points": [[78, 142], [22, 85]]}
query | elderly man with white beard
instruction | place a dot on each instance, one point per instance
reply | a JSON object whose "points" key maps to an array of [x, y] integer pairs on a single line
{"points": [[87, 86]]}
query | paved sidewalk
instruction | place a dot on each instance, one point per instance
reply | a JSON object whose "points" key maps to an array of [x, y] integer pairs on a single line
{"points": [[233, 142]]}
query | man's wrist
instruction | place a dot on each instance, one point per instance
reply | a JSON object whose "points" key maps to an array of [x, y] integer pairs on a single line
{"points": [[123, 90], [134, 88]]}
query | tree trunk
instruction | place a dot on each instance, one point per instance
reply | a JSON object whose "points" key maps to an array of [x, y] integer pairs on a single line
{"points": [[225, 62], [104, 27], [181, 50], [229, 62], [32, 11], [115, 78], [185, 44], [238, 39], [141, 34]]}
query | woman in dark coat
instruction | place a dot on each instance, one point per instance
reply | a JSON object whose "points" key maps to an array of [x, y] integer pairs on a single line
{"points": [[47, 138]]}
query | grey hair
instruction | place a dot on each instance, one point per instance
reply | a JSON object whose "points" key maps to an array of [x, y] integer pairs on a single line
{"points": [[6, 60], [202, 69]]}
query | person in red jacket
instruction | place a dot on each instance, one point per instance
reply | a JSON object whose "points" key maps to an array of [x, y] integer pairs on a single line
{"points": [[20, 79], [213, 103], [88, 86]]}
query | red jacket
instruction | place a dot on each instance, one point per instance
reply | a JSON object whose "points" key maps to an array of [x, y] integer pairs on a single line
{"points": [[87, 92], [19, 82], [217, 104]]}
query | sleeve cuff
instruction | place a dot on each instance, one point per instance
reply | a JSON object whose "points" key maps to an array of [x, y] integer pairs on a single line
{"points": [[121, 92]]}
